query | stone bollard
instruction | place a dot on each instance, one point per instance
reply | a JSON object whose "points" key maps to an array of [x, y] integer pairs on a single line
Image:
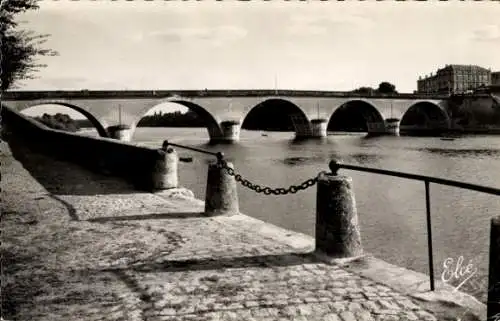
{"points": [[221, 196], [165, 169], [337, 229], [493, 305]]}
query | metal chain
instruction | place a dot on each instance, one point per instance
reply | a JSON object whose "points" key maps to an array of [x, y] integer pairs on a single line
{"points": [[265, 189]]}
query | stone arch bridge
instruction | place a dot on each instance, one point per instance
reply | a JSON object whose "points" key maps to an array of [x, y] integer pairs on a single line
{"points": [[225, 110]]}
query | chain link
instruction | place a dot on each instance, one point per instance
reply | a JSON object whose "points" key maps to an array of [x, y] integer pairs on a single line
{"points": [[265, 189]]}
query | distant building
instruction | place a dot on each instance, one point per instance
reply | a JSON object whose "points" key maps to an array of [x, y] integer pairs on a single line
{"points": [[495, 78], [455, 79]]}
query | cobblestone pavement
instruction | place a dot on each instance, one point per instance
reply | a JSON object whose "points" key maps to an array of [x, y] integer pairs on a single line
{"points": [[75, 250]]}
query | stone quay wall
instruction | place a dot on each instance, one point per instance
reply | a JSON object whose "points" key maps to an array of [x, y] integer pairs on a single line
{"points": [[134, 163]]}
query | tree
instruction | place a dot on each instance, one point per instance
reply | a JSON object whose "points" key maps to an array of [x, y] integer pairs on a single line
{"points": [[59, 121], [364, 90], [19, 48], [386, 88]]}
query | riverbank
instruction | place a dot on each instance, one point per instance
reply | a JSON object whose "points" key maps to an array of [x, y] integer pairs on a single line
{"points": [[82, 246]]}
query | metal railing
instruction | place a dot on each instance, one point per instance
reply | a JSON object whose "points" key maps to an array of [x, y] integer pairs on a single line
{"points": [[219, 155], [292, 189], [335, 166]]}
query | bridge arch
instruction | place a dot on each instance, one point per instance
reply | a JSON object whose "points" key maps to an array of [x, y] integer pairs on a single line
{"points": [[277, 114], [210, 122], [101, 129], [425, 115], [355, 115]]}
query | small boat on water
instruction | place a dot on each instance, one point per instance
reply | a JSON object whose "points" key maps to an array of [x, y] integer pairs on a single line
{"points": [[264, 134], [447, 138]]}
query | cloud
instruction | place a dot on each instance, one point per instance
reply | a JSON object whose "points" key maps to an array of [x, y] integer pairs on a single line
{"points": [[488, 33], [168, 37], [64, 82], [72, 83], [329, 18], [216, 35], [322, 24]]}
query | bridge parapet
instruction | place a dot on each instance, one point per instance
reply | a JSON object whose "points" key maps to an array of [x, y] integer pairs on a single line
{"points": [[113, 94]]}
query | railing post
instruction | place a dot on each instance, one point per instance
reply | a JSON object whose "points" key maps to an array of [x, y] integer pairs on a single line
{"points": [[164, 174], [337, 229], [493, 306], [429, 234], [221, 196]]}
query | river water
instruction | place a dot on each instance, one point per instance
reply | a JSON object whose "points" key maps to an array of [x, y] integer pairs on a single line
{"points": [[391, 210]]}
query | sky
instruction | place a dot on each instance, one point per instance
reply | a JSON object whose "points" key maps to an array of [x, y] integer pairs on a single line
{"points": [[242, 45]]}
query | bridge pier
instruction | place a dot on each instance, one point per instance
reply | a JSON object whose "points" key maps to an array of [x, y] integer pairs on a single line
{"points": [[120, 132], [319, 128], [392, 126], [230, 130]]}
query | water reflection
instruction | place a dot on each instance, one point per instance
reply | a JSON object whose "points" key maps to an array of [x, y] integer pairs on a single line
{"points": [[461, 152], [366, 159], [296, 161], [298, 141], [354, 158]]}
